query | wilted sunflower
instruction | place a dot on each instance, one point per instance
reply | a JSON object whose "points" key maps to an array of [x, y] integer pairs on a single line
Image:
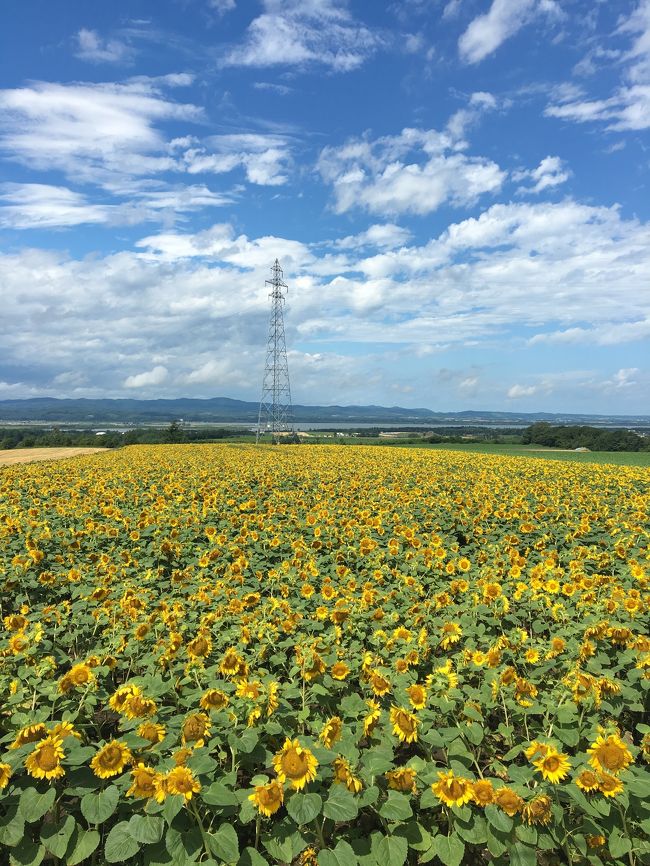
{"points": [[196, 728], [553, 765], [331, 733], [181, 780], [405, 724], [402, 779], [343, 775], [482, 792], [451, 634], [138, 707], [45, 761], [29, 734], [5, 775], [452, 790], [268, 798], [144, 782], [111, 760], [120, 696], [295, 764], [537, 811], [213, 699], [609, 754], [508, 800], [152, 732]]}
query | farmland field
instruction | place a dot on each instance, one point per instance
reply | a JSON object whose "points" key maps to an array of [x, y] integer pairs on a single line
{"points": [[344, 656]]}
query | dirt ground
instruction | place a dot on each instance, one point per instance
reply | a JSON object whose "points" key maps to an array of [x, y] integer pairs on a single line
{"points": [[29, 455]]}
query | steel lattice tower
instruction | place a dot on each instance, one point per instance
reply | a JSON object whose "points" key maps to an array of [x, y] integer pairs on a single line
{"points": [[275, 415]]}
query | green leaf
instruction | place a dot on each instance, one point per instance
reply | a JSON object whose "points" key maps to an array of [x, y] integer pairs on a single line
{"points": [[619, 845], [474, 733], [28, 853], [639, 787], [146, 829], [375, 763], [450, 849], [56, 837], [342, 855], [34, 804], [86, 842], [498, 819], [495, 843], [303, 808], [247, 742], [340, 805], [225, 844], [183, 845], [522, 855], [397, 807], [96, 808], [418, 838], [12, 827], [172, 807], [120, 844], [390, 850], [218, 795], [251, 857]]}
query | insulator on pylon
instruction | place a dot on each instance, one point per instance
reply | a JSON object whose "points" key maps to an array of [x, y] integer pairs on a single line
{"points": [[276, 415]]}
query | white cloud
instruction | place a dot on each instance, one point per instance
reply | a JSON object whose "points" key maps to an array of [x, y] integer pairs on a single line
{"points": [[265, 158], [487, 32], [156, 376], [90, 46], [375, 175], [304, 32], [549, 173], [516, 392], [380, 235], [628, 108], [611, 334], [37, 205], [221, 6]]}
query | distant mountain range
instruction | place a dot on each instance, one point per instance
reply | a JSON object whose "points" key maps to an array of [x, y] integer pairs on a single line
{"points": [[219, 410]]}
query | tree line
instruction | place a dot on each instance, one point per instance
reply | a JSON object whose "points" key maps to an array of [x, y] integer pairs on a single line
{"points": [[593, 438]]}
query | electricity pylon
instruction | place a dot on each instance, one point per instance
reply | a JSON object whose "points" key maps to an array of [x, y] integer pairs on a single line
{"points": [[276, 415]]}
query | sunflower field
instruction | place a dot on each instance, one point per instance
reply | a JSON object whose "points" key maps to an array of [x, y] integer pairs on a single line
{"points": [[323, 656]]}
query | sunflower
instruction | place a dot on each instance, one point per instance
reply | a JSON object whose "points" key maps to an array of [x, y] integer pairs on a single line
{"points": [[508, 801], [78, 675], [295, 764], [451, 634], [230, 663], [63, 730], [609, 754], [144, 782], [554, 766], [379, 684], [538, 811], [452, 790], [272, 691], [196, 728], [121, 695], [181, 780], [200, 647], [536, 749], [609, 785], [331, 733], [111, 760], [250, 690], [343, 775], [213, 699], [402, 779], [587, 781], [139, 707], [29, 734], [152, 732], [483, 792], [417, 696], [268, 798], [405, 724], [371, 719], [5, 775], [339, 670], [45, 761]]}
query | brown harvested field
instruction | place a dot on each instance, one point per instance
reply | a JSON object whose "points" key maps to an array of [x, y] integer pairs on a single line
{"points": [[30, 455]]}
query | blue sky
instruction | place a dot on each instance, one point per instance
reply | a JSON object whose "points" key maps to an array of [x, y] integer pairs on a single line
{"points": [[457, 190]]}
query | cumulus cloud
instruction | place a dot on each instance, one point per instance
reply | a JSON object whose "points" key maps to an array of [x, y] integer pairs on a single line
{"points": [[413, 172], [551, 172], [304, 32], [156, 376]]}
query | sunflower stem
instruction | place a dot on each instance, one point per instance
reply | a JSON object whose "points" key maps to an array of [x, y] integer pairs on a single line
{"points": [[258, 823], [626, 829], [204, 835], [319, 834]]}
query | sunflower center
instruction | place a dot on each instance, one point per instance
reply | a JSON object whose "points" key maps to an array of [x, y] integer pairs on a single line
{"points": [[455, 789], [294, 765], [611, 756], [48, 758], [270, 796], [112, 757], [552, 763]]}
